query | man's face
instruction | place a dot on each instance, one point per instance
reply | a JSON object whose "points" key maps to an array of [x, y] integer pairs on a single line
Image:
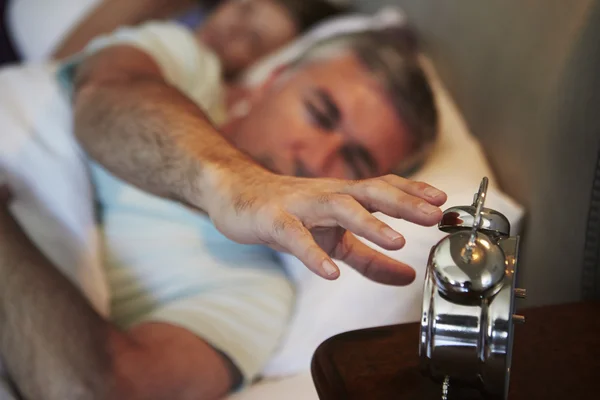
{"points": [[327, 119], [242, 31]]}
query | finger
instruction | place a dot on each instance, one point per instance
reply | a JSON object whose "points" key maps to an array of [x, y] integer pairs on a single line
{"points": [[372, 264], [350, 215], [418, 189], [291, 235], [377, 195]]}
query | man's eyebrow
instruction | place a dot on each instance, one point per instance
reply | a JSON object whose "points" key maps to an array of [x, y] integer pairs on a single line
{"points": [[355, 154], [326, 99]]}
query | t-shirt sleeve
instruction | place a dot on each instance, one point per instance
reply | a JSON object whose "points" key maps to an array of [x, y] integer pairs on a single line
{"points": [[184, 62]]}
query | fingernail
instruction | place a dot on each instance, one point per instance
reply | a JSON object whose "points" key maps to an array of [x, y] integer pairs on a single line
{"points": [[432, 193], [428, 208], [391, 234], [329, 268]]}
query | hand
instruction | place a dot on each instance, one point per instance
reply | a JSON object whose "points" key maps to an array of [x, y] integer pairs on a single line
{"points": [[310, 218]]}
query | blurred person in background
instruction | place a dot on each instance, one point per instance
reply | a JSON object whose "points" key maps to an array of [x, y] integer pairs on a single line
{"points": [[193, 314], [238, 31]]}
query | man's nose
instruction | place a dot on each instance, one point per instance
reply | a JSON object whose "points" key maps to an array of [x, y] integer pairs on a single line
{"points": [[319, 153]]}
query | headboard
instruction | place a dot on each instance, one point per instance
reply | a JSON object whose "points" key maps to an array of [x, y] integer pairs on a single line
{"points": [[526, 75]]}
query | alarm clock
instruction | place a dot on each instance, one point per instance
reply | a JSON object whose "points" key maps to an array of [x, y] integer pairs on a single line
{"points": [[466, 333]]}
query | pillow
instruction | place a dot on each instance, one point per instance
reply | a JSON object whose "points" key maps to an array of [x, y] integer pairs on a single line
{"points": [[387, 16], [325, 308]]}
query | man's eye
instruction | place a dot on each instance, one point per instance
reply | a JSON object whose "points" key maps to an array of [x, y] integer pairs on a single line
{"points": [[322, 119]]}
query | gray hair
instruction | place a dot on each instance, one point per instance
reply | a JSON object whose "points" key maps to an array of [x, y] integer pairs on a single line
{"points": [[391, 56]]}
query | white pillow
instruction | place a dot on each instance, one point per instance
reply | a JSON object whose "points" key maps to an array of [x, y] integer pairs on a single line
{"points": [[387, 16], [324, 308]]}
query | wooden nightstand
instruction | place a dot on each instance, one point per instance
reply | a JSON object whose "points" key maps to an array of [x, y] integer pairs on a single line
{"points": [[556, 356]]}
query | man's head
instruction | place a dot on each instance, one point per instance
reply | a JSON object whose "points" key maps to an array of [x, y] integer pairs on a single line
{"points": [[242, 31], [353, 106]]}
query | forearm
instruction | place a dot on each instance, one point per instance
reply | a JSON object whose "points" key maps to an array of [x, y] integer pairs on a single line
{"points": [[112, 14], [52, 342], [154, 137]]}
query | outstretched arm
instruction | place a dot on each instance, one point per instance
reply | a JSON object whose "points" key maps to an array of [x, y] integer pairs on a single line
{"points": [[143, 130]]}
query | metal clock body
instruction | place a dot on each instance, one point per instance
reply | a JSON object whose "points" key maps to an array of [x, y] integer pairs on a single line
{"points": [[469, 300]]}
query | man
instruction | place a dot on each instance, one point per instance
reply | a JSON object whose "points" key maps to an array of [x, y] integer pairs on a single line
{"points": [[355, 107]]}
